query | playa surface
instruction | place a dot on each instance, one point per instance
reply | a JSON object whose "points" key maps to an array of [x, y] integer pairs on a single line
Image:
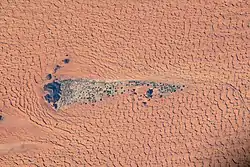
{"points": [[203, 46]]}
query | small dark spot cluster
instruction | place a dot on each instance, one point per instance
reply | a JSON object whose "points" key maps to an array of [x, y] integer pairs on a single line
{"points": [[57, 68], [168, 89]]}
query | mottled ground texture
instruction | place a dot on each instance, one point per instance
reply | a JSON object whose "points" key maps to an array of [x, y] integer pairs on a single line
{"points": [[203, 45], [61, 93]]}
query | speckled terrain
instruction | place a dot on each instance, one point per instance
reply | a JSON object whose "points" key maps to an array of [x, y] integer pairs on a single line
{"points": [[203, 45], [85, 91]]}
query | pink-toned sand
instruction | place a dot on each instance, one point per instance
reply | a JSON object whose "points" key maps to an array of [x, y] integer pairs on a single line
{"points": [[202, 44]]}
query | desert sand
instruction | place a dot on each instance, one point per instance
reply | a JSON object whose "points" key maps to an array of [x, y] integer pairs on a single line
{"points": [[203, 45]]}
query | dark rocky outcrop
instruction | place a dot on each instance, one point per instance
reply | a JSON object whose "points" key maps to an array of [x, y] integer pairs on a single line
{"points": [[54, 89], [66, 61], [49, 77], [149, 93]]}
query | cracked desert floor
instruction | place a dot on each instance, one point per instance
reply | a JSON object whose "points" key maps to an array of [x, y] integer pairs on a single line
{"points": [[204, 45]]}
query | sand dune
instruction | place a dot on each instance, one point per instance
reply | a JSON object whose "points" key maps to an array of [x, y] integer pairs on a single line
{"points": [[203, 45]]}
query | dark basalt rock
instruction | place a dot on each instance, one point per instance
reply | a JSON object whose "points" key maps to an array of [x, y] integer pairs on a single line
{"points": [[149, 93], [56, 97], [55, 86], [66, 61], [55, 106], [49, 77], [54, 90], [48, 98]]}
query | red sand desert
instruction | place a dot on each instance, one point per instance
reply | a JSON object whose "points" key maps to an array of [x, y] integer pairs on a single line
{"points": [[203, 45]]}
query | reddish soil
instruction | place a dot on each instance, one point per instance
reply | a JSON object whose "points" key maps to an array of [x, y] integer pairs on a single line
{"points": [[204, 45]]}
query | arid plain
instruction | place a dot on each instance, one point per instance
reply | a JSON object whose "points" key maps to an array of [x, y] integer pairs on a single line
{"points": [[204, 45]]}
